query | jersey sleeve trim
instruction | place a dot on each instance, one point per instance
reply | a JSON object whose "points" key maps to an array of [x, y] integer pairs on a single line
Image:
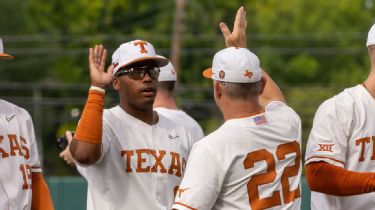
{"points": [[183, 205], [36, 169], [323, 157]]}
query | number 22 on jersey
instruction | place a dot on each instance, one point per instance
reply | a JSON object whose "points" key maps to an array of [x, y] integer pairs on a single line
{"points": [[259, 179]]}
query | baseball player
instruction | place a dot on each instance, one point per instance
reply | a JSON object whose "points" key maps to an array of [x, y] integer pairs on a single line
{"points": [[165, 104], [21, 181], [340, 151], [133, 157], [253, 161]]}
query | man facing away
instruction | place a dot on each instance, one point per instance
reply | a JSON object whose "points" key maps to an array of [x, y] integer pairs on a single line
{"points": [[253, 161], [340, 152], [22, 185], [132, 157], [166, 105]]}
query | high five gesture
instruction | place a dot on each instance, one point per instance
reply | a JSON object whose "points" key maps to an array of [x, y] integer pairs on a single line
{"points": [[98, 76]]}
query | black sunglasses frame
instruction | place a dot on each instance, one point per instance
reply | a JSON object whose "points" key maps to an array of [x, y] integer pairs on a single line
{"points": [[139, 73]]}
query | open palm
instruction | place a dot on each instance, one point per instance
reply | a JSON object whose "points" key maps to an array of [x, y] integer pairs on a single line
{"points": [[99, 77]]}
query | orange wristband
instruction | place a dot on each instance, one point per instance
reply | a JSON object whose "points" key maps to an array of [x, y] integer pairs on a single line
{"points": [[90, 125]]}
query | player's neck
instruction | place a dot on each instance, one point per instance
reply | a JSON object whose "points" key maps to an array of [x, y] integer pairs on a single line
{"points": [[148, 116], [241, 110], [369, 83], [165, 101]]}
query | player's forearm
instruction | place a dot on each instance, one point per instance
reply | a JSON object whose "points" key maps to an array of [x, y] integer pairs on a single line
{"points": [[271, 91], [333, 180], [41, 198], [86, 145]]}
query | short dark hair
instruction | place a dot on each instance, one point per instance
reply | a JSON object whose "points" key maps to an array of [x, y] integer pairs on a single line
{"points": [[243, 91], [166, 85]]}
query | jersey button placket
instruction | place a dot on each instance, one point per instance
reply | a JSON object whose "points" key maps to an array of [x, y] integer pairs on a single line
{"points": [[152, 161], [159, 178]]}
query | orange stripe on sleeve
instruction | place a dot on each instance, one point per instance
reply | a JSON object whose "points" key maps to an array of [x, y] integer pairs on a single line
{"points": [[339, 161], [333, 180], [90, 125], [41, 198]]}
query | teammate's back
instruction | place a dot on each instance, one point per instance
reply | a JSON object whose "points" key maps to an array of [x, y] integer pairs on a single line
{"points": [[253, 161], [258, 158]]}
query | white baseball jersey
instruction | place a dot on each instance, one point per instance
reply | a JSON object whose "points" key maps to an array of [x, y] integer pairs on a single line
{"points": [[18, 157], [343, 134], [248, 163], [141, 165], [181, 117], [89, 201]]}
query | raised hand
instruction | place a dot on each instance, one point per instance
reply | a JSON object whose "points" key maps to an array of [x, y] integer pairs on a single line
{"points": [[98, 76], [236, 38]]}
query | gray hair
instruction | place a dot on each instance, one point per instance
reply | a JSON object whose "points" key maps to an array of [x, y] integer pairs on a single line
{"points": [[242, 91]]}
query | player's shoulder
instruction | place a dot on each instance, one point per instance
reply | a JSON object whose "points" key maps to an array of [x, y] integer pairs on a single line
{"points": [[278, 106], [218, 145], [167, 121], [281, 111], [217, 137], [117, 114], [348, 94], [178, 116], [7, 105], [342, 102], [174, 114], [10, 108]]}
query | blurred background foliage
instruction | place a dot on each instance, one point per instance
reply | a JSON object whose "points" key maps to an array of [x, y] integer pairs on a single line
{"points": [[312, 49]]}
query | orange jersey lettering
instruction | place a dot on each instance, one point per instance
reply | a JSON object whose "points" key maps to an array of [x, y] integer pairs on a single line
{"points": [[17, 146], [142, 155], [3, 153]]}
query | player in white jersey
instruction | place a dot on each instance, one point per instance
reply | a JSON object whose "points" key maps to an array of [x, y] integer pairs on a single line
{"points": [[165, 104], [21, 181], [340, 153], [253, 161], [133, 158]]}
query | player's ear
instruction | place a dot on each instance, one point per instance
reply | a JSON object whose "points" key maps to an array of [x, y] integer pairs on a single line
{"points": [[115, 83], [263, 82], [217, 89]]}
